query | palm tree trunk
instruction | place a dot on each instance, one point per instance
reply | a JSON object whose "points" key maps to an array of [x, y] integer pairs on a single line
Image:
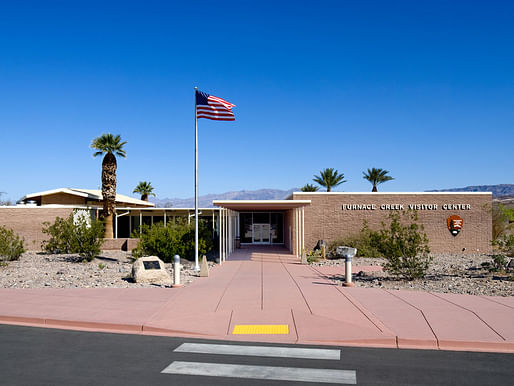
{"points": [[374, 188], [144, 197], [109, 192]]}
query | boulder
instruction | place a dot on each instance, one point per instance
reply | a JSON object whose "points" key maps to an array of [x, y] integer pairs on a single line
{"points": [[150, 270]]}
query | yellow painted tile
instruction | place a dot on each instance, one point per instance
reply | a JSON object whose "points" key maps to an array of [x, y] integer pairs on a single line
{"points": [[252, 329]]}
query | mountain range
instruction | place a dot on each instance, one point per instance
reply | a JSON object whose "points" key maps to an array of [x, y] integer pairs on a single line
{"points": [[501, 190], [206, 200]]}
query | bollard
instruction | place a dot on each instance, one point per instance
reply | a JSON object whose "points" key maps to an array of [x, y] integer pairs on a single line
{"points": [[348, 271], [176, 271], [347, 253]]}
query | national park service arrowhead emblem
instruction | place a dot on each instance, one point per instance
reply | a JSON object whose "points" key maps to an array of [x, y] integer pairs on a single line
{"points": [[454, 224]]}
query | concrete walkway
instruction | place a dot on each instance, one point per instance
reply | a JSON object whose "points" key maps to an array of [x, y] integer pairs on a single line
{"points": [[268, 286]]}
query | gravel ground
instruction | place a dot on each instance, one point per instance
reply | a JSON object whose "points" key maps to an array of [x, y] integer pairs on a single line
{"points": [[459, 274], [462, 274], [110, 269]]}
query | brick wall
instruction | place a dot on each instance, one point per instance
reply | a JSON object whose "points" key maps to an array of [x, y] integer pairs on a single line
{"points": [[28, 222], [326, 220], [124, 244], [62, 199]]}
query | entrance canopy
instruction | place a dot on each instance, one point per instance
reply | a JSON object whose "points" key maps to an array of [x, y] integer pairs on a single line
{"points": [[264, 222]]}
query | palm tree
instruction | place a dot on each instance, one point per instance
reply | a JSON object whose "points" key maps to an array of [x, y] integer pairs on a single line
{"points": [[309, 188], [329, 178], [144, 189], [111, 146], [377, 176]]}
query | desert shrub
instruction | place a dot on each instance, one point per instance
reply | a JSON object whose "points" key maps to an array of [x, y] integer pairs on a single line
{"points": [[76, 234], [502, 220], [404, 244], [11, 245], [367, 243], [314, 256], [166, 241]]}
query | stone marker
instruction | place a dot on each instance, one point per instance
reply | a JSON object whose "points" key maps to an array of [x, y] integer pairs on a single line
{"points": [[150, 270], [204, 268]]}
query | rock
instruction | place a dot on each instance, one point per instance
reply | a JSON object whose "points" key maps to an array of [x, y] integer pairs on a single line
{"points": [[153, 272], [204, 268]]}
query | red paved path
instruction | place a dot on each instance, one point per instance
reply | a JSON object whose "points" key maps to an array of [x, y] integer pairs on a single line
{"points": [[269, 286]]}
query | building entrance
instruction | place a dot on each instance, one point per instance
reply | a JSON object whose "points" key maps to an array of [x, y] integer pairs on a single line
{"points": [[261, 233], [261, 227]]}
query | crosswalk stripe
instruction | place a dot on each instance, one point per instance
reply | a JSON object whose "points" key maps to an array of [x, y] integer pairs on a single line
{"points": [[262, 351], [348, 377]]}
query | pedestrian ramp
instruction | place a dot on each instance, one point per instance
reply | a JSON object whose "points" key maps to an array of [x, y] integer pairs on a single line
{"points": [[259, 372]]}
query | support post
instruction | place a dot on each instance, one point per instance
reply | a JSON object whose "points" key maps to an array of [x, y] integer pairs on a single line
{"points": [[197, 267], [219, 236], [303, 229]]}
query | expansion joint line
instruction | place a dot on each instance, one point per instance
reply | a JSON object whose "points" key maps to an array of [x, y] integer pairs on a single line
{"points": [[422, 314], [262, 282], [349, 298], [230, 322], [228, 285], [473, 312], [297, 285], [495, 301], [294, 324]]}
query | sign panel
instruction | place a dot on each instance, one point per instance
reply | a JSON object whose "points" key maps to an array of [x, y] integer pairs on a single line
{"points": [[455, 224]]}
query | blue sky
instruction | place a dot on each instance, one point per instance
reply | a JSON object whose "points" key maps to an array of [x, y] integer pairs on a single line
{"points": [[424, 89]]}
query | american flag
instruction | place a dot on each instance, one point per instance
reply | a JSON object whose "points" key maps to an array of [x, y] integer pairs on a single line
{"points": [[211, 107]]}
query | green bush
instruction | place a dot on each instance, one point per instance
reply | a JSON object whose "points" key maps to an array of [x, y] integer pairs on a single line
{"points": [[314, 256], [404, 244], [505, 244], [166, 241], [367, 243], [11, 245], [75, 234]]}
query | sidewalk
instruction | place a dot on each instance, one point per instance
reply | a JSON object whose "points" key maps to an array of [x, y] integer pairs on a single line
{"points": [[265, 286]]}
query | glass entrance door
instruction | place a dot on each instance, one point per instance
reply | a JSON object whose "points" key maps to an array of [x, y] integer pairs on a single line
{"points": [[261, 233]]}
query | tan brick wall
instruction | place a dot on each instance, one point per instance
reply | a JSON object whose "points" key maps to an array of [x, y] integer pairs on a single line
{"points": [[124, 244], [28, 222], [62, 199], [325, 219]]}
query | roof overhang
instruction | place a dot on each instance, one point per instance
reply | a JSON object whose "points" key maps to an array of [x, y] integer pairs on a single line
{"points": [[261, 204]]}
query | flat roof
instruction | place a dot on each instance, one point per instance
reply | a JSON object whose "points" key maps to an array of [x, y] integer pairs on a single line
{"points": [[388, 193], [261, 204], [93, 194]]}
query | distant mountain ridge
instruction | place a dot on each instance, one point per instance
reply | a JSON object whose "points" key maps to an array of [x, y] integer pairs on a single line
{"points": [[501, 190], [206, 200]]}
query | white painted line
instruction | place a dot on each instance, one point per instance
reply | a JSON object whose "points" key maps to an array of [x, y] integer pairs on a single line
{"points": [[261, 351], [347, 377]]}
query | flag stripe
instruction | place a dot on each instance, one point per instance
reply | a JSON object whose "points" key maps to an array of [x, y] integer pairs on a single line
{"points": [[211, 107]]}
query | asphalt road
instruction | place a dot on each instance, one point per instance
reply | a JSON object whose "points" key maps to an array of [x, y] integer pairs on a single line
{"points": [[39, 356]]}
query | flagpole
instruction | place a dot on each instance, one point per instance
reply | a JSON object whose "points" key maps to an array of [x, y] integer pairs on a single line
{"points": [[197, 267]]}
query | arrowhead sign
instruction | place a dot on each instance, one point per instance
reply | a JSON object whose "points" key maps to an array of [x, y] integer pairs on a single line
{"points": [[455, 224]]}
